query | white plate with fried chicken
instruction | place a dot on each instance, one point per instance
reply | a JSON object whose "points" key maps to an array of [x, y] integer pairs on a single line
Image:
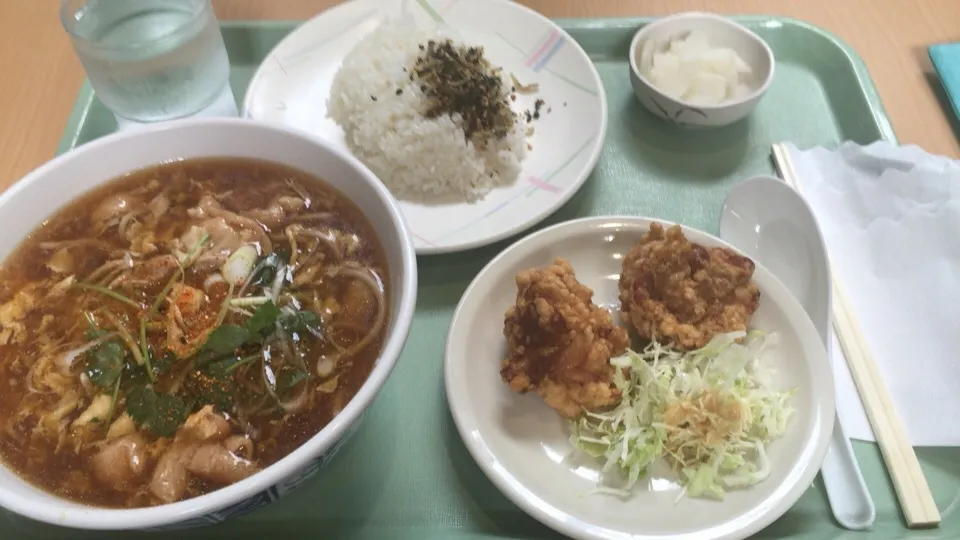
{"points": [[619, 377]]}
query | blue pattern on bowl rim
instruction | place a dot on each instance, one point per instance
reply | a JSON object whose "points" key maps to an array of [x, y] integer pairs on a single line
{"points": [[269, 495]]}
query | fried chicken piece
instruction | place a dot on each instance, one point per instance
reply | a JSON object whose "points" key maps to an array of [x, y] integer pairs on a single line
{"points": [[559, 343], [674, 290]]}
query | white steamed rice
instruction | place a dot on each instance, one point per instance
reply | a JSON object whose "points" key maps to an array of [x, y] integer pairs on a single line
{"points": [[415, 157]]}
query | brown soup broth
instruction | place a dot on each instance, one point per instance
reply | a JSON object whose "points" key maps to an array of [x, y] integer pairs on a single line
{"points": [[129, 237]]}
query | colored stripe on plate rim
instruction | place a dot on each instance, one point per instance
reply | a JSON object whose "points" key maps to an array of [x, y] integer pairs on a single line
{"points": [[304, 52], [544, 38], [534, 188], [422, 239], [428, 9], [539, 59], [563, 78], [546, 186]]}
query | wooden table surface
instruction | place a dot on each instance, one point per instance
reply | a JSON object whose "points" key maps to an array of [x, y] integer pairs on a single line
{"points": [[41, 75]]}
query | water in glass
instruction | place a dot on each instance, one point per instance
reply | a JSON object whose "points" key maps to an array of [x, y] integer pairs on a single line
{"points": [[150, 60]]}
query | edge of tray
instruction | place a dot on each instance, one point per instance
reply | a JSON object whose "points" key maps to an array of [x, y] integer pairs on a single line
{"points": [[879, 115], [85, 98], [78, 115]]}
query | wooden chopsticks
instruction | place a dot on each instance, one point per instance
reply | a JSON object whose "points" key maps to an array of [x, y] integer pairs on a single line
{"points": [[916, 500]]}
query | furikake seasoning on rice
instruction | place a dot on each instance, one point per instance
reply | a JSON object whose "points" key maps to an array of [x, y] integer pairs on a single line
{"points": [[434, 118], [458, 79]]}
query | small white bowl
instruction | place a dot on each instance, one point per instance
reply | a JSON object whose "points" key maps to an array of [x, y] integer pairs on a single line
{"points": [[720, 32], [41, 193]]}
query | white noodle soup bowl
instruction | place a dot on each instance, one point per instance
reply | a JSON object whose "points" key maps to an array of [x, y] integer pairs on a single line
{"points": [[57, 183], [720, 32]]}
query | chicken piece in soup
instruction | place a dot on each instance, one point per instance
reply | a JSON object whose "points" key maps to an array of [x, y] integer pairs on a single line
{"points": [[183, 327]]}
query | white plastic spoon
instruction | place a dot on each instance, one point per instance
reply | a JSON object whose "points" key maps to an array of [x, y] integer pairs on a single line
{"points": [[772, 223]]}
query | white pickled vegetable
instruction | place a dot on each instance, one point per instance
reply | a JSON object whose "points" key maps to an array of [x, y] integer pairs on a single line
{"points": [[688, 68], [707, 88], [239, 265]]}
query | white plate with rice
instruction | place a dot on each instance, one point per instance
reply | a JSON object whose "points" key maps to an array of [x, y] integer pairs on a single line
{"points": [[345, 75], [525, 447]]}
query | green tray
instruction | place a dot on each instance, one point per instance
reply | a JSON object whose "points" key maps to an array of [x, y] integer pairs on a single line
{"points": [[406, 473]]}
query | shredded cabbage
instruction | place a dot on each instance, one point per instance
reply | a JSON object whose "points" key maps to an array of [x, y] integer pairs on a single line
{"points": [[710, 412]]}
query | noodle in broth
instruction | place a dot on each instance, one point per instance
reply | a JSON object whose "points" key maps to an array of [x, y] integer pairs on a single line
{"points": [[183, 327]]}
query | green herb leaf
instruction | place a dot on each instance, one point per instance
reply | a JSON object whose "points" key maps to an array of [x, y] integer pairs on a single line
{"points": [[263, 319], [289, 378], [226, 339], [213, 384], [94, 333], [220, 368], [105, 363], [302, 322], [163, 363], [205, 356], [113, 398], [136, 375], [160, 414], [191, 403], [227, 366], [264, 277], [283, 254], [266, 269], [107, 292]]}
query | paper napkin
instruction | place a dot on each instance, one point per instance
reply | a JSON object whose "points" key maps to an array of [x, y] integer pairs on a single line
{"points": [[890, 217]]}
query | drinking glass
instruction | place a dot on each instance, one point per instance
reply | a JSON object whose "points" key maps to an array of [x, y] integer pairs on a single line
{"points": [[152, 60]]}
